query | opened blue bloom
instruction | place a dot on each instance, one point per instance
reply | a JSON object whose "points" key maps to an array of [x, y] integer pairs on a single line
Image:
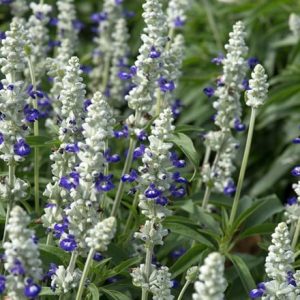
{"points": [[21, 148]]}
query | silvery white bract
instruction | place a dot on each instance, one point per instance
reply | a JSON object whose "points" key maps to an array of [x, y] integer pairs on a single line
{"points": [[154, 39], [100, 236], [258, 92], [212, 283], [22, 255], [176, 13], [38, 34], [192, 274], [64, 280], [294, 24], [234, 70], [17, 192], [19, 8], [280, 257], [119, 59]]}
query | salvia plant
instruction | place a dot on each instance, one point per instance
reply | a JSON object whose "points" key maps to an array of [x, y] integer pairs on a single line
{"points": [[118, 181]]}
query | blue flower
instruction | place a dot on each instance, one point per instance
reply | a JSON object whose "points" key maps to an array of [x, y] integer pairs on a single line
{"points": [[99, 17], [139, 151], [209, 91], [70, 182], [1, 138], [2, 284], [31, 114], [218, 60], [152, 192], [238, 126], [68, 244], [72, 148], [296, 140], [142, 135], [178, 253], [252, 62], [21, 148], [86, 69], [77, 25], [256, 293], [178, 22], [124, 75], [163, 201], [31, 290], [131, 177], [154, 53], [122, 133], [296, 171], [175, 284], [229, 189], [165, 85], [176, 108], [292, 200], [177, 192], [245, 84], [98, 256], [17, 268], [2, 35], [178, 163], [104, 183], [111, 158], [177, 178], [86, 104], [53, 21]]}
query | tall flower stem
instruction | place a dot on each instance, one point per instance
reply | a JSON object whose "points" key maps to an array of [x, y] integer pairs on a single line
{"points": [[130, 217], [36, 149], [184, 288], [85, 274], [205, 161], [148, 261], [11, 183], [243, 167], [296, 235]]}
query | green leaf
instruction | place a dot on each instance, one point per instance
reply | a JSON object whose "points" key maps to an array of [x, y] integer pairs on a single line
{"points": [[187, 231], [243, 272], [187, 128], [187, 147], [52, 252], [94, 291], [126, 264], [261, 229], [115, 295], [192, 257], [40, 141]]}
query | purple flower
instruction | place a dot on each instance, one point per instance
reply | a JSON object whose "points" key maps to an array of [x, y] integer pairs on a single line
{"points": [[31, 290], [177, 192], [178, 163], [152, 192], [124, 75], [128, 13], [104, 183], [70, 182], [245, 84], [139, 151], [98, 256], [122, 133], [209, 91], [177, 178], [2, 284], [252, 62], [31, 114], [72, 148], [229, 189], [86, 104], [17, 268], [175, 284], [154, 53], [291, 200], [6, 1], [39, 15], [53, 44], [142, 135], [163, 201], [98, 17], [165, 85], [256, 293], [178, 22], [21, 148], [131, 177], [296, 171], [68, 244], [111, 158], [238, 126], [1, 138], [290, 278], [178, 253], [296, 140], [59, 229], [2, 35], [118, 2], [77, 25], [10, 87], [176, 108], [86, 69], [133, 70], [53, 21], [218, 60]]}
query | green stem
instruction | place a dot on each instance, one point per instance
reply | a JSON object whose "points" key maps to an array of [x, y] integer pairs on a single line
{"points": [[296, 235], [205, 161], [212, 23], [243, 168], [130, 217], [85, 274], [186, 285], [49, 238], [72, 262], [147, 271], [36, 149], [127, 166], [11, 183], [206, 196]]}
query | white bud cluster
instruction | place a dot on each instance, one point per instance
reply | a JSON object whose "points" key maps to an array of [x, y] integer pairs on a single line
{"points": [[258, 92], [20, 250], [154, 38], [39, 35], [212, 283], [120, 39], [176, 12], [100, 236], [12, 51], [280, 257], [192, 274], [64, 280], [19, 8], [234, 70]]}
